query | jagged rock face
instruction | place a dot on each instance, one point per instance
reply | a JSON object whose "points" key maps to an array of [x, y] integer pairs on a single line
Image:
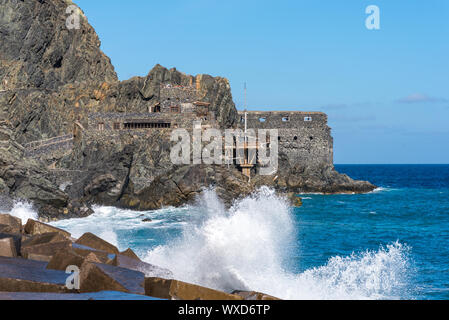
{"points": [[215, 90], [52, 77], [39, 51], [24, 178], [40, 114]]}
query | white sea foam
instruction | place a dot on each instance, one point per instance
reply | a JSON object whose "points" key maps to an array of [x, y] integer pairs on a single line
{"points": [[382, 189], [246, 247], [106, 221], [23, 210]]}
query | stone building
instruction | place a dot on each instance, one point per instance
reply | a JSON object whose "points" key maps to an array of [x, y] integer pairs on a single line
{"points": [[178, 108], [304, 137]]}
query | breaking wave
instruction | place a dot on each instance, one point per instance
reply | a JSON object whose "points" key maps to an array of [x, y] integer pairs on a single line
{"points": [[248, 246], [23, 210]]}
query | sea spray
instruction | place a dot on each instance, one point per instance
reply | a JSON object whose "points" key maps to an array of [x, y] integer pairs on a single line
{"points": [[218, 251], [124, 228], [247, 248], [24, 210], [381, 274]]}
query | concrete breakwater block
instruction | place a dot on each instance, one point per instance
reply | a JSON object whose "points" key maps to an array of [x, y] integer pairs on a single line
{"points": [[21, 275], [78, 254], [7, 229], [44, 245], [179, 290], [253, 295], [90, 240], [148, 269], [34, 227], [14, 223], [64, 258], [102, 256], [130, 254], [17, 242], [96, 277], [102, 295], [8, 248], [33, 266]]}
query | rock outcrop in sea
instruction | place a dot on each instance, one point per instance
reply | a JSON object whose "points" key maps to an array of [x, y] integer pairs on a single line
{"points": [[53, 80]]}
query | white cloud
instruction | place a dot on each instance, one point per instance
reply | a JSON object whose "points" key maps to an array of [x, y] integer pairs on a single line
{"points": [[420, 98]]}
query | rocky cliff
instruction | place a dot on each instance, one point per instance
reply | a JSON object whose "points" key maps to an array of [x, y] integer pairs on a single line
{"points": [[39, 51], [52, 77]]}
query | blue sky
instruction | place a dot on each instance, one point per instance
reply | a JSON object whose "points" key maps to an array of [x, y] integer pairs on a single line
{"points": [[386, 91]]}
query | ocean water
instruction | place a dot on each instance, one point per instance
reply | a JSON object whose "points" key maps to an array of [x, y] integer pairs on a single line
{"points": [[388, 244]]}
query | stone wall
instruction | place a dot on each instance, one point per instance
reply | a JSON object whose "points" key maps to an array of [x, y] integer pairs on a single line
{"points": [[175, 95], [49, 148], [304, 137], [177, 120]]}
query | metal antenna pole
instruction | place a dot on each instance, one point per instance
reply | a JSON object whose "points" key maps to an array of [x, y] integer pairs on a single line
{"points": [[246, 113]]}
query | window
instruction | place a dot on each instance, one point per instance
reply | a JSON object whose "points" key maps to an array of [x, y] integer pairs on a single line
{"points": [[307, 119], [116, 125], [157, 108], [101, 126], [295, 138], [286, 119], [147, 125], [175, 109]]}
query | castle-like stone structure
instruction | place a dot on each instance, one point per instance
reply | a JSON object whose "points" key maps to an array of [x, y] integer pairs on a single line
{"points": [[304, 137], [178, 108]]}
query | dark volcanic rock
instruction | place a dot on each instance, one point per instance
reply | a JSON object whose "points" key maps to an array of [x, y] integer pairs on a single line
{"points": [[215, 90], [52, 78], [39, 51], [25, 178]]}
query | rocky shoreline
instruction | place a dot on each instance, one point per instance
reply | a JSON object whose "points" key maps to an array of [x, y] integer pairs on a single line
{"points": [[52, 80], [34, 259]]}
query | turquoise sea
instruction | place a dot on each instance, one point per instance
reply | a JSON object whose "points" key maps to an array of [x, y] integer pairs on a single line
{"points": [[388, 244]]}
